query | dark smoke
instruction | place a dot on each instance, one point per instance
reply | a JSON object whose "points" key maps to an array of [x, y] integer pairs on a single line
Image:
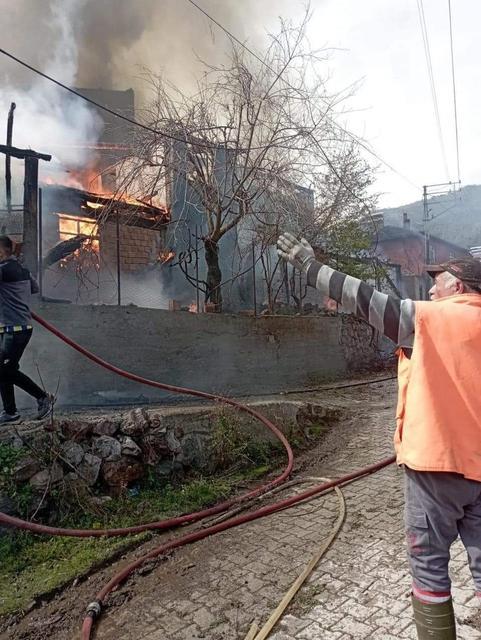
{"points": [[115, 39]]}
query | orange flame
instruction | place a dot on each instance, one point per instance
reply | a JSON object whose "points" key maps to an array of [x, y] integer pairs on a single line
{"points": [[71, 226], [166, 256]]}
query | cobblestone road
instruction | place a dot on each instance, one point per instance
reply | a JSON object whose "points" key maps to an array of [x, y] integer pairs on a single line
{"points": [[360, 589]]}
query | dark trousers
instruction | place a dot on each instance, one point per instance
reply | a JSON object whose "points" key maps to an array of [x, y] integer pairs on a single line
{"points": [[439, 508], [12, 346]]}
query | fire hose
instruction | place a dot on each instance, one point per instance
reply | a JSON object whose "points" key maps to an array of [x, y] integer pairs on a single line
{"points": [[94, 608]]}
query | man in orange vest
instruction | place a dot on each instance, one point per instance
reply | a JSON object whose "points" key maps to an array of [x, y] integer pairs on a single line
{"points": [[438, 435]]}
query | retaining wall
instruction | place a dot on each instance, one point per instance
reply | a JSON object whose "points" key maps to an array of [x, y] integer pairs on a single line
{"points": [[225, 354]]}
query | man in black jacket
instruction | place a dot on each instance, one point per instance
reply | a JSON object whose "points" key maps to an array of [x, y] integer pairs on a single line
{"points": [[16, 287]]}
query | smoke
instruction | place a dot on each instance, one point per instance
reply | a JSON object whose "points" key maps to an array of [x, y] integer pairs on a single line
{"points": [[111, 41], [108, 44], [169, 36], [47, 118]]}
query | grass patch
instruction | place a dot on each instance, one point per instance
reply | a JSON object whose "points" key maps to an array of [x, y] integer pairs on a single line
{"points": [[229, 447], [37, 567], [32, 565]]}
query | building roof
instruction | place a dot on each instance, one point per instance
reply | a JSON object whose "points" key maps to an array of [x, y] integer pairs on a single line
{"points": [[132, 212], [390, 233]]}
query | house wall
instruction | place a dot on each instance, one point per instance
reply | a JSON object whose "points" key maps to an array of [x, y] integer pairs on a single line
{"points": [[138, 247], [411, 278], [221, 353], [409, 253]]}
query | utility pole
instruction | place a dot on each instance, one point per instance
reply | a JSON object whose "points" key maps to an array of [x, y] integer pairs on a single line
{"points": [[30, 215], [441, 189], [430, 190], [30, 202], [425, 224]]}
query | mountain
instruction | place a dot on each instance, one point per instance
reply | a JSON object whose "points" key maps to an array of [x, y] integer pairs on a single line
{"points": [[455, 217]]}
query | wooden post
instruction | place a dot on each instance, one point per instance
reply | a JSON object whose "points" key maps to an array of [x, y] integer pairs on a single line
{"points": [[119, 284], [286, 284], [8, 173], [30, 215], [40, 243]]}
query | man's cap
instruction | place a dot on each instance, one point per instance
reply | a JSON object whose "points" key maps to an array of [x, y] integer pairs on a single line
{"points": [[467, 269]]}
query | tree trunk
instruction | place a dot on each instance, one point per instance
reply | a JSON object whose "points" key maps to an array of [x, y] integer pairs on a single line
{"points": [[214, 275]]}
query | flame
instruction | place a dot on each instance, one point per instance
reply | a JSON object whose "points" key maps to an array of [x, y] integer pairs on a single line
{"points": [[70, 226], [91, 181], [88, 179], [166, 256], [94, 205]]}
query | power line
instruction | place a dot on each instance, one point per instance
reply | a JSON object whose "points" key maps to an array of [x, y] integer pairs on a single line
{"points": [[184, 141], [427, 53], [198, 144], [146, 127], [106, 109], [316, 142], [454, 88], [263, 62]]}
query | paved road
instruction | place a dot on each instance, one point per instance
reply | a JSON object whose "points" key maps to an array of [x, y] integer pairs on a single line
{"points": [[360, 589], [214, 589]]}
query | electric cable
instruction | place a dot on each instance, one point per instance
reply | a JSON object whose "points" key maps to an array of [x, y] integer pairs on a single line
{"points": [[93, 102], [157, 132], [163, 134], [454, 89], [427, 53], [333, 122]]}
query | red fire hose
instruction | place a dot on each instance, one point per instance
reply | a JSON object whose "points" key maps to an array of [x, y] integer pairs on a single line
{"points": [[94, 608]]}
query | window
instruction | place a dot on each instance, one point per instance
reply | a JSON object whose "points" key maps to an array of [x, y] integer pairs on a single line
{"points": [[71, 226]]}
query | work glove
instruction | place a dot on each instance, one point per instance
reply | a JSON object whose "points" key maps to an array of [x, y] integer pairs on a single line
{"points": [[298, 253]]}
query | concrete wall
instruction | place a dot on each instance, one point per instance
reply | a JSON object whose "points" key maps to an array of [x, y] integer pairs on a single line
{"points": [[219, 353]]}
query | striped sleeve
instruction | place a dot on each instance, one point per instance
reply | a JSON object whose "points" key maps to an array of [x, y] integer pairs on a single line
{"points": [[387, 314]]}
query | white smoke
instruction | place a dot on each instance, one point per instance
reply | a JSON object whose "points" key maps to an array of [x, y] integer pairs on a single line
{"points": [[106, 44], [47, 118]]}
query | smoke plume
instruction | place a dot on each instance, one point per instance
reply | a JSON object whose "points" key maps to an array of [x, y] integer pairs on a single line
{"points": [[107, 44]]}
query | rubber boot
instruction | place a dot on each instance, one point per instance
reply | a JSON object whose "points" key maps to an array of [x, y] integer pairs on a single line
{"points": [[434, 621]]}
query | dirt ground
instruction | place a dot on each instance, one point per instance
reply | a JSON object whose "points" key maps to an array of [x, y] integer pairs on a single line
{"points": [[214, 589]]}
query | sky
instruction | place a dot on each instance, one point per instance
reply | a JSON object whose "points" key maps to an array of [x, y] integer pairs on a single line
{"points": [[376, 44], [380, 43]]}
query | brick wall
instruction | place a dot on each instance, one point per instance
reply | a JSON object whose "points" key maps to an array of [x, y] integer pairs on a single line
{"points": [[138, 246]]}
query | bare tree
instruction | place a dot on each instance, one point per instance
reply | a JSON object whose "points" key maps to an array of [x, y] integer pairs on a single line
{"points": [[252, 146]]}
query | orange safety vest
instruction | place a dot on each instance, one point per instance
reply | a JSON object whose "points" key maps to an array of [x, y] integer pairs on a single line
{"points": [[439, 404]]}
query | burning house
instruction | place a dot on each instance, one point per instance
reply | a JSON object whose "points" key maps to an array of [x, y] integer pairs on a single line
{"points": [[97, 247]]}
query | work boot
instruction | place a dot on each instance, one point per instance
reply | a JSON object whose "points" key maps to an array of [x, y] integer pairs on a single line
{"points": [[45, 406], [434, 621]]}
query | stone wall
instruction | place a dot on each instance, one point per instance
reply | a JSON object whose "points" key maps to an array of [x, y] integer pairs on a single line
{"points": [[114, 451], [223, 354], [361, 344]]}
